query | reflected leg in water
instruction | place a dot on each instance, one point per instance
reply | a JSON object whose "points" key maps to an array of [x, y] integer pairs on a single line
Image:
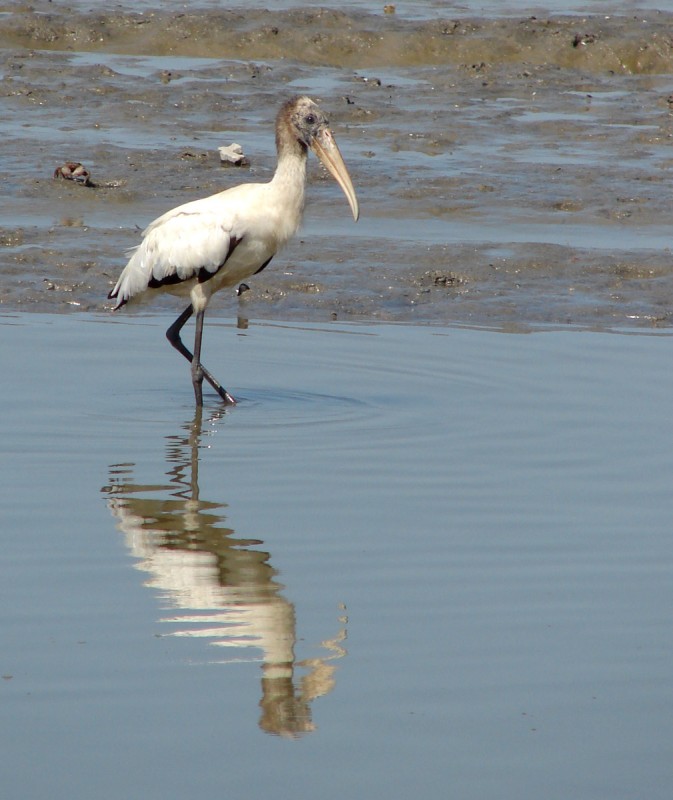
{"points": [[221, 588]]}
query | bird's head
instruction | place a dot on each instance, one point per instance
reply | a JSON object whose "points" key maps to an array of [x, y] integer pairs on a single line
{"points": [[309, 126]]}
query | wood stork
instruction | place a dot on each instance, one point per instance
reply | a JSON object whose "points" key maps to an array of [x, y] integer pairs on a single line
{"points": [[218, 241]]}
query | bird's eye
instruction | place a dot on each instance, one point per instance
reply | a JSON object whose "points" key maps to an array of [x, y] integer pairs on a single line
{"points": [[310, 118]]}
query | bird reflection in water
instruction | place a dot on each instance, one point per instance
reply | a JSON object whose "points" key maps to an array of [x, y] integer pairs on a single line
{"points": [[223, 586]]}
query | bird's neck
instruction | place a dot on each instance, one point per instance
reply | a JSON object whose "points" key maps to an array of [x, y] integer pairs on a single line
{"points": [[290, 177]]}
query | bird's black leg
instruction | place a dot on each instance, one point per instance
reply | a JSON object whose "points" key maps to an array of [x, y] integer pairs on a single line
{"points": [[173, 333], [197, 369], [199, 372]]}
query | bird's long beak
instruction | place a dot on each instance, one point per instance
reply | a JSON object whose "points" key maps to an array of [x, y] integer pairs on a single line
{"points": [[327, 151]]}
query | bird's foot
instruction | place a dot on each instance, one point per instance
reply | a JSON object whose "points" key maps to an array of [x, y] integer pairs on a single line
{"points": [[228, 399], [199, 372]]}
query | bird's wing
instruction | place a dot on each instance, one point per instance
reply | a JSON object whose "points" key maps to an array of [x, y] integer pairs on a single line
{"points": [[184, 244], [190, 240]]}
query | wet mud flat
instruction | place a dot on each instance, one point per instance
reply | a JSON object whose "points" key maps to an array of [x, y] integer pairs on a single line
{"points": [[510, 171]]}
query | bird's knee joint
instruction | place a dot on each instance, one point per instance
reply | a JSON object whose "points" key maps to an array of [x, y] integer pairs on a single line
{"points": [[197, 373]]}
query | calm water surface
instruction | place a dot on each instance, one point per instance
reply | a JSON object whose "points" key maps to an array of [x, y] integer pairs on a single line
{"points": [[413, 561]]}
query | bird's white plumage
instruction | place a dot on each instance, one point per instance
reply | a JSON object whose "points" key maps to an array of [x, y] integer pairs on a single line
{"points": [[218, 241], [180, 246], [231, 233]]}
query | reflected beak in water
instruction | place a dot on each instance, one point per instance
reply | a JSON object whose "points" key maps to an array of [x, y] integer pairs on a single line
{"points": [[324, 146]]}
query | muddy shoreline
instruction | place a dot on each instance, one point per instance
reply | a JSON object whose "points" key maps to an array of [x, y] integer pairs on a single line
{"points": [[511, 172], [329, 37]]}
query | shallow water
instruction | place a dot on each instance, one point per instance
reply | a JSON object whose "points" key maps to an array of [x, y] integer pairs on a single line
{"points": [[412, 560]]}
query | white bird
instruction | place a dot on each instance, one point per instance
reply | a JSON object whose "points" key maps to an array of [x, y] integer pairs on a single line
{"points": [[218, 241]]}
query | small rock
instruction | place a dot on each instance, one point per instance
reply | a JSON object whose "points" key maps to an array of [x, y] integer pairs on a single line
{"points": [[233, 155], [584, 39]]}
